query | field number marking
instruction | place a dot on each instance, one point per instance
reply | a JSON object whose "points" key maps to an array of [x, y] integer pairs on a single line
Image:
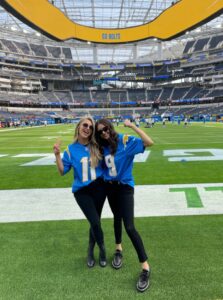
{"points": [[180, 155], [192, 195], [191, 155]]}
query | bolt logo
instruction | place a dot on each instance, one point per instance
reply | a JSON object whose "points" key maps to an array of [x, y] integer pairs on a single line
{"points": [[172, 22]]}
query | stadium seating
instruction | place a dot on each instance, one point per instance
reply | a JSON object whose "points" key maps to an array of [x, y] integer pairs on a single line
{"points": [[42, 75], [208, 43]]}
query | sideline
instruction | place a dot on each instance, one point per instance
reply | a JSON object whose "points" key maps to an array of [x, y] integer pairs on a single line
{"points": [[150, 200], [26, 127]]}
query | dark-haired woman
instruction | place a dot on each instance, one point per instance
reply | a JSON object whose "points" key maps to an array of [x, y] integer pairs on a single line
{"points": [[119, 151], [84, 157]]}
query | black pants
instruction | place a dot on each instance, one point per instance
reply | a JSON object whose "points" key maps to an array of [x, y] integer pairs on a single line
{"points": [[121, 200], [91, 200]]}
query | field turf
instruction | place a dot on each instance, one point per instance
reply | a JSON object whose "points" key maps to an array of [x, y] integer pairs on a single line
{"points": [[46, 260], [156, 170]]}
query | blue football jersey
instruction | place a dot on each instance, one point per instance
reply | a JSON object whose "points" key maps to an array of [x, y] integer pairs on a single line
{"points": [[119, 166], [77, 156]]}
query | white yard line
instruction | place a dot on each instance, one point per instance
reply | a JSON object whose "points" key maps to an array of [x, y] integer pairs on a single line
{"points": [[21, 128], [30, 127], [155, 200], [22, 147]]}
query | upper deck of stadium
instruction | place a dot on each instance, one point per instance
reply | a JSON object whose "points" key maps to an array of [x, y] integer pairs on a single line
{"points": [[107, 14]]}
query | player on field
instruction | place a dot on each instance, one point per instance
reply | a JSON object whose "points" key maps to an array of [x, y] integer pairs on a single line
{"points": [[119, 151], [83, 156]]}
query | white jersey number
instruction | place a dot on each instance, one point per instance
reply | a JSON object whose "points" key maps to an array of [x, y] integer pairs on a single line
{"points": [[110, 163], [85, 163]]}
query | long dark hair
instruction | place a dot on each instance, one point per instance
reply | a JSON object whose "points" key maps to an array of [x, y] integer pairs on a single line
{"points": [[112, 142]]}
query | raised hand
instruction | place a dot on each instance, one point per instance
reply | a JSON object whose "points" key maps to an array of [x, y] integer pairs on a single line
{"points": [[128, 123], [56, 146]]}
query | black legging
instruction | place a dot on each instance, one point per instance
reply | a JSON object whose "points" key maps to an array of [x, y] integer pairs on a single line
{"points": [[91, 200], [121, 200]]}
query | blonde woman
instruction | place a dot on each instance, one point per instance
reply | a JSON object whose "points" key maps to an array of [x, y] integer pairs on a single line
{"points": [[84, 157]]}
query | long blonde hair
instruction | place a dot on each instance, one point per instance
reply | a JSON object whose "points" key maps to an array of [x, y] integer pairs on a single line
{"points": [[95, 154]]}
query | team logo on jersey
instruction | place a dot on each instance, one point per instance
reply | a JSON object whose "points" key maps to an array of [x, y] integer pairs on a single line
{"points": [[125, 139], [68, 151]]}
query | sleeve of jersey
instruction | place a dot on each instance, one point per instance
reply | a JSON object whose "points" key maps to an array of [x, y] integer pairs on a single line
{"points": [[66, 162], [134, 145]]}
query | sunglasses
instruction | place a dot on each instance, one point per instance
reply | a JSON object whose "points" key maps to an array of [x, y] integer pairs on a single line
{"points": [[85, 125], [104, 129]]}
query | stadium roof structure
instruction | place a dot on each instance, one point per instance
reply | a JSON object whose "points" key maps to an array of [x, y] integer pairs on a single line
{"points": [[110, 14]]}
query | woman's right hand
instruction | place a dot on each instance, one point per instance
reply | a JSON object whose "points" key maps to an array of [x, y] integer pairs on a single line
{"points": [[56, 150], [56, 147]]}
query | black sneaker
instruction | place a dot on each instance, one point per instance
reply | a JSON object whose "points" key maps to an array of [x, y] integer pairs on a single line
{"points": [[143, 282], [117, 259]]}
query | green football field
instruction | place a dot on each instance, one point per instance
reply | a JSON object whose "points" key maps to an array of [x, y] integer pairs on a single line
{"points": [[46, 260], [156, 170]]}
